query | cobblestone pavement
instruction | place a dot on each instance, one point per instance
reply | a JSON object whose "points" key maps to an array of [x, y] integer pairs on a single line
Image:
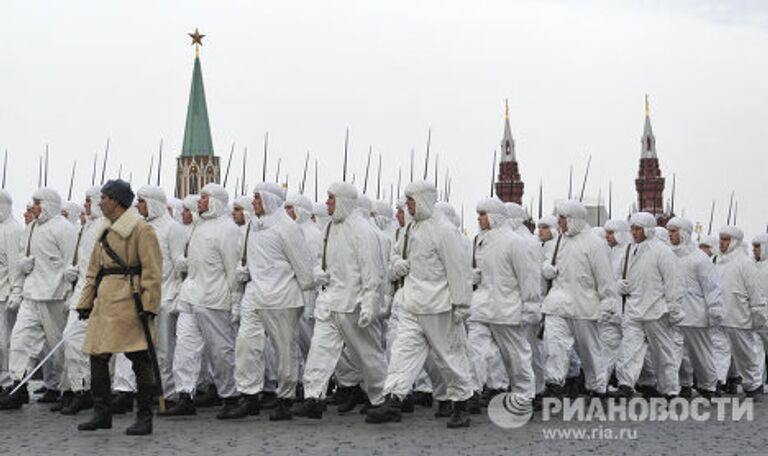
{"points": [[36, 431]]}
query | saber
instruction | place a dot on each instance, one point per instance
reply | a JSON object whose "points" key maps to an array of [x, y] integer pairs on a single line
{"points": [[229, 163], [264, 163], [493, 173], [151, 167], [711, 217], [242, 180], [426, 159], [315, 180], [159, 161], [39, 365], [367, 168], [541, 199], [277, 174], [46, 166], [344, 167], [586, 174], [610, 200], [437, 160], [378, 181], [104, 163], [93, 173], [304, 176], [71, 180], [399, 177], [412, 152], [5, 166]]}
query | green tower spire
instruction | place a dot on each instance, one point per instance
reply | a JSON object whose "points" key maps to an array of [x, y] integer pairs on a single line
{"points": [[197, 130]]}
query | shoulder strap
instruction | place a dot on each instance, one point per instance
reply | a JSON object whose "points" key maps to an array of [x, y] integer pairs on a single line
{"points": [[112, 254], [405, 240], [325, 245]]}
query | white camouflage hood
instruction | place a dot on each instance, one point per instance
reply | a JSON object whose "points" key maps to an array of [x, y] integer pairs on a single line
{"points": [[425, 196], [50, 203]]}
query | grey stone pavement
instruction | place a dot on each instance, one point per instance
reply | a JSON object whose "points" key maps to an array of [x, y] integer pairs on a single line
{"points": [[36, 431]]}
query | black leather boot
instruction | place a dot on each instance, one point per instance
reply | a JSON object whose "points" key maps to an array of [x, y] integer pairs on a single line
{"points": [[143, 423], [184, 407], [353, 396], [50, 396], [209, 397], [460, 417], [122, 403], [102, 397], [267, 400], [16, 400], [310, 408], [444, 409], [422, 399], [473, 405], [389, 411], [81, 400], [238, 407], [283, 410], [64, 401], [408, 405]]}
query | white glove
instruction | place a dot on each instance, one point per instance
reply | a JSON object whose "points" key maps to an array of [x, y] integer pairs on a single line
{"points": [[26, 264], [676, 316], [366, 316], [623, 287], [180, 265], [14, 301], [548, 271], [607, 316], [758, 319], [322, 278], [475, 276], [460, 313], [309, 313], [401, 267], [715, 316], [234, 316], [531, 313], [71, 274], [242, 275]]}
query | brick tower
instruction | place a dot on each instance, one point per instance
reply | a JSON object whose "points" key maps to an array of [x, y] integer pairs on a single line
{"points": [[509, 187], [649, 183], [197, 165]]}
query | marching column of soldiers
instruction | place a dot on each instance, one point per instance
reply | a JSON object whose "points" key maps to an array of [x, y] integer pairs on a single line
{"points": [[275, 303]]}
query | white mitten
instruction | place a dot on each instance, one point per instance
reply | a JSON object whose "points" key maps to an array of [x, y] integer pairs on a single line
{"points": [[548, 271], [71, 274], [180, 265], [242, 274], [401, 267], [476, 276], [322, 278], [460, 313], [366, 316], [26, 264], [623, 287]]}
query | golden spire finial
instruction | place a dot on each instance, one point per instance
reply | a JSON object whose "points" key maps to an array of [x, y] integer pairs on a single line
{"points": [[506, 109], [647, 106], [197, 41]]}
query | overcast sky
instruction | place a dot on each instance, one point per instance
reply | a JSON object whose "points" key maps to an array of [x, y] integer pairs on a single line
{"points": [[75, 73]]}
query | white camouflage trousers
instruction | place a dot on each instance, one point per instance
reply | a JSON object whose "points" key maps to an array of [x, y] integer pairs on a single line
{"points": [[39, 326], [201, 330]]}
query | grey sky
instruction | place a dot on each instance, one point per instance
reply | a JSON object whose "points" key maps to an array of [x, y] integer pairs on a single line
{"points": [[575, 72]]}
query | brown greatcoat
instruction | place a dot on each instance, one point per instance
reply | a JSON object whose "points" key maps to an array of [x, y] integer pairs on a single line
{"points": [[114, 326]]}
